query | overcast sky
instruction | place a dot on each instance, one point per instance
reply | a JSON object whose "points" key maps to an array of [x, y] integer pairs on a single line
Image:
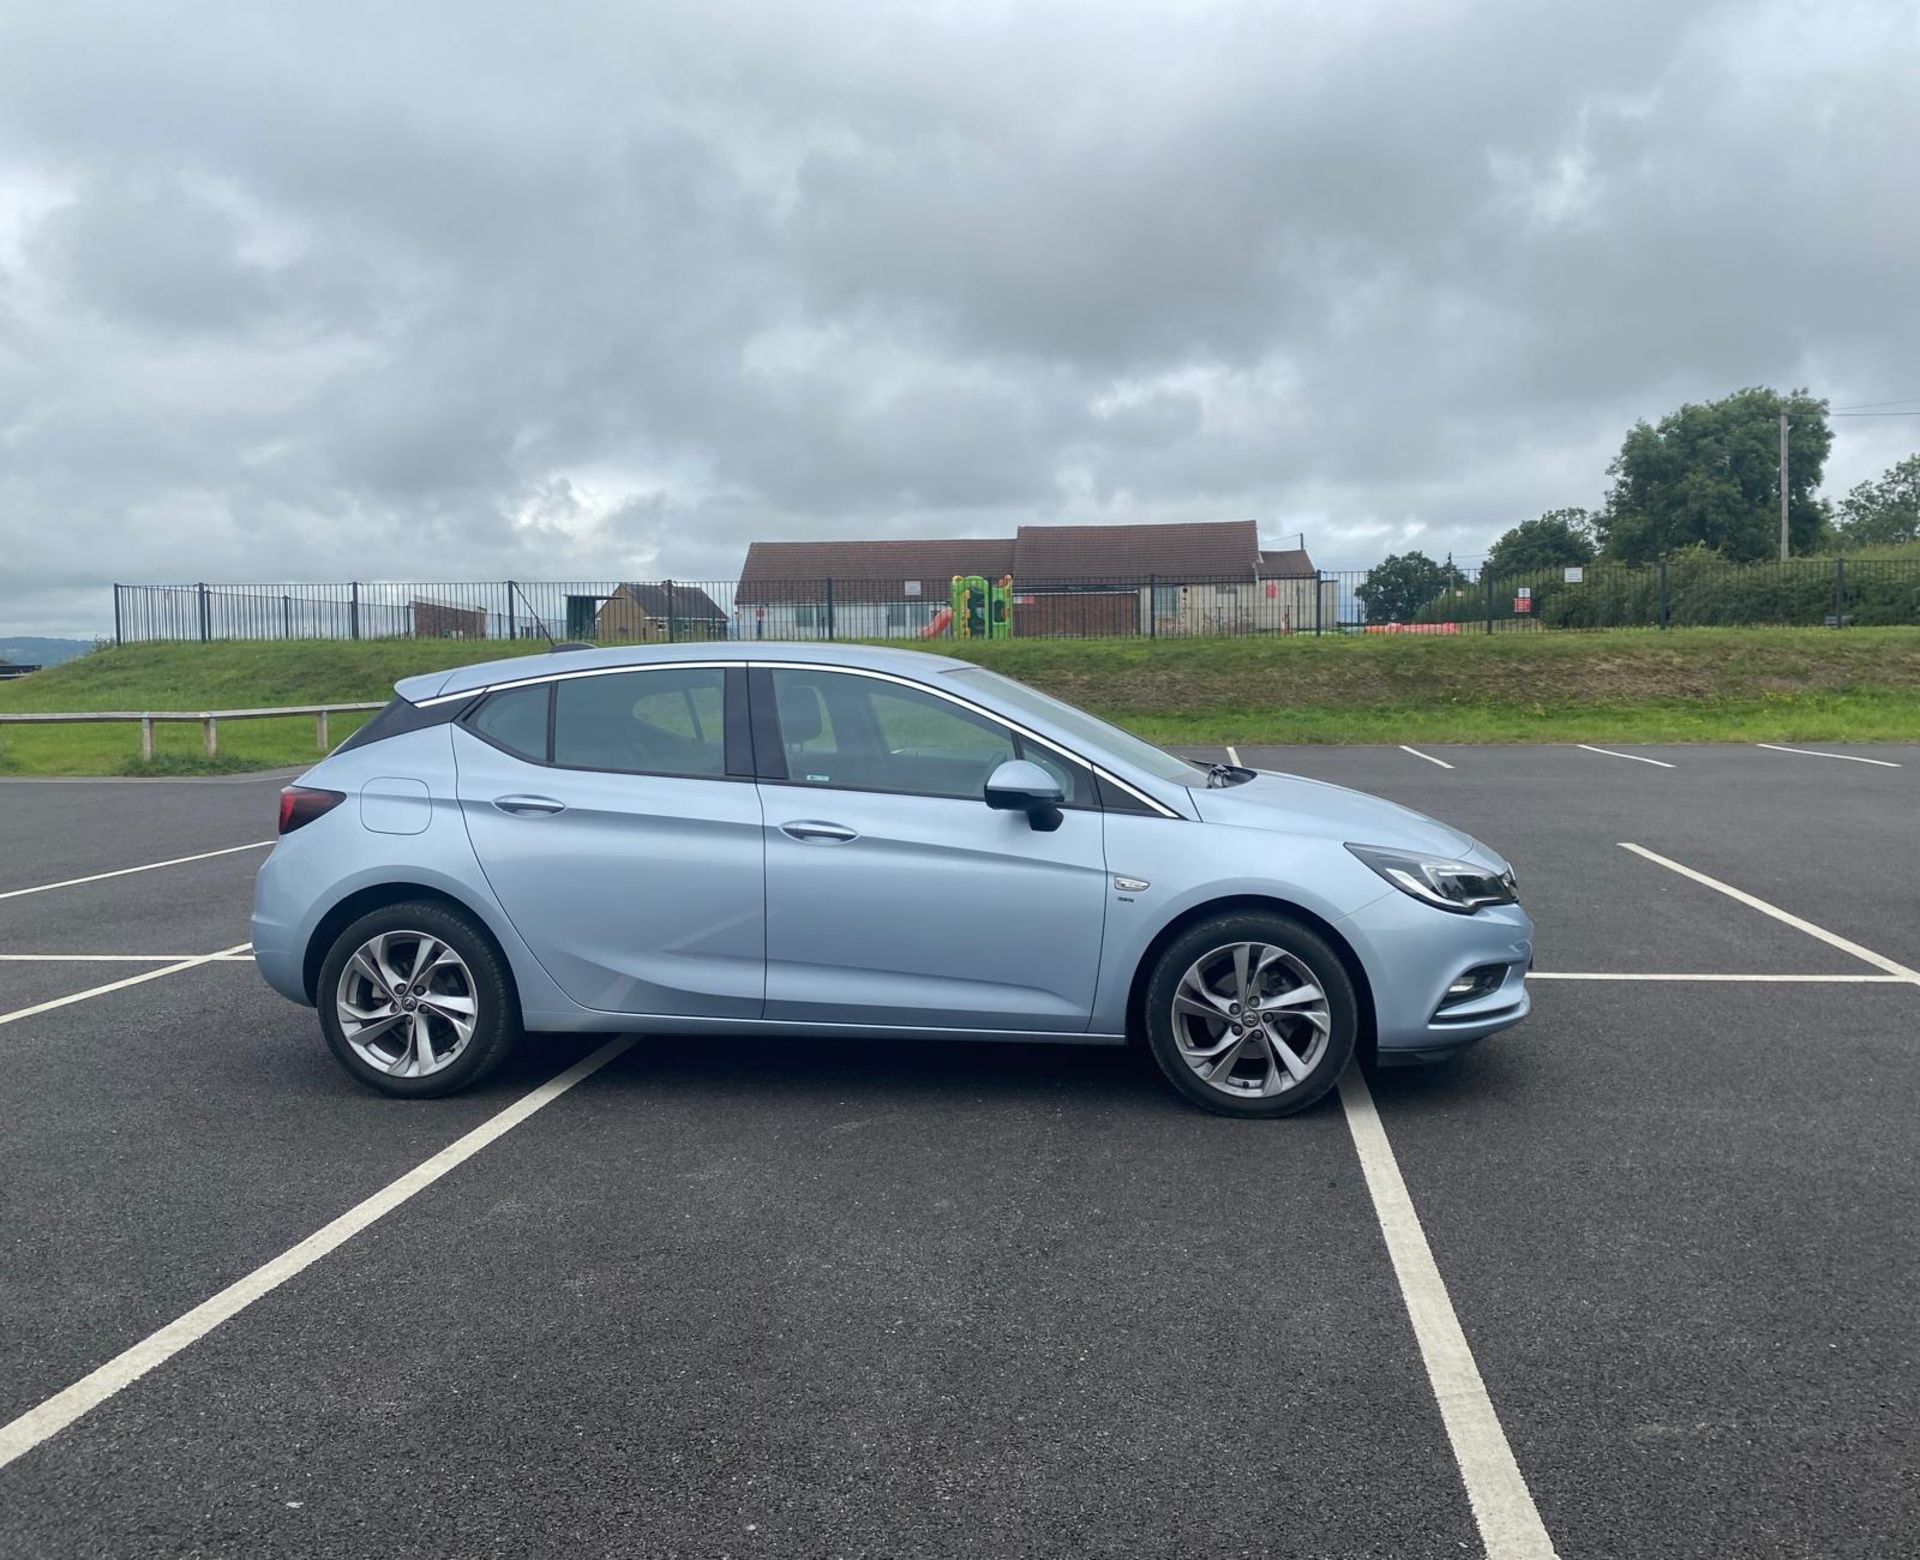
{"points": [[477, 290]]}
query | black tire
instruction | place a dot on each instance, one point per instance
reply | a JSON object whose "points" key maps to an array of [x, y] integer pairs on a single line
{"points": [[1213, 938], [496, 1025]]}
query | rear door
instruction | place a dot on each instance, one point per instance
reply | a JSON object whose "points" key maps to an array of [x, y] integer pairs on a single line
{"points": [[895, 895], [616, 817]]}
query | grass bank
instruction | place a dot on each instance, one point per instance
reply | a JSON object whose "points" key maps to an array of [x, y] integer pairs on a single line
{"points": [[227, 675], [1631, 685], [1687, 685]]}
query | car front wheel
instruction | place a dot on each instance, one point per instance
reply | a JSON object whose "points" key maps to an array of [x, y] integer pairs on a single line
{"points": [[1251, 1014], [416, 1001]]}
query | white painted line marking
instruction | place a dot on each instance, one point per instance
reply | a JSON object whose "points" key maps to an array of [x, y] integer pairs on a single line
{"points": [[1659, 762], [121, 985], [116, 958], [1802, 980], [1510, 1525], [1851, 758], [64, 1407], [151, 866], [1831, 939], [1233, 757], [1427, 756]]}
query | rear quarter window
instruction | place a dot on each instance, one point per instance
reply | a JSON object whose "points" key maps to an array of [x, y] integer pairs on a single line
{"points": [[515, 719]]}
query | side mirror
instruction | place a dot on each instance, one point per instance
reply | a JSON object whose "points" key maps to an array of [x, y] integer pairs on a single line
{"points": [[1019, 786]]}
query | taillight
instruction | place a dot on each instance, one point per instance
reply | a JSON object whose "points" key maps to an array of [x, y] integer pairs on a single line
{"points": [[301, 804]]}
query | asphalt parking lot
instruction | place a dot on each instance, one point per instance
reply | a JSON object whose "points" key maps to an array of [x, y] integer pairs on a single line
{"points": [[799, 1299]]}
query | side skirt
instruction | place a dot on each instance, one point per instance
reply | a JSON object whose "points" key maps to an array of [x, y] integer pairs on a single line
{"points": [[583, 1021]]}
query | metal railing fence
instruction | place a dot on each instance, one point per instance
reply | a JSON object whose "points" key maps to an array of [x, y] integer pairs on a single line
{"points": [[1689, 590]]}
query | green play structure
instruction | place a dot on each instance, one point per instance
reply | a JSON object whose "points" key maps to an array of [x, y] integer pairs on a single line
{"points": [[981, 610]]}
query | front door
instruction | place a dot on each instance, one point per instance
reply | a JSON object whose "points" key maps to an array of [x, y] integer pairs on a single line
{"points": [[895, 896], [624, 852]]}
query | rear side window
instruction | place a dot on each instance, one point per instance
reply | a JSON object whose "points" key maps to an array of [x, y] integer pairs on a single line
{"points": [[515, 719], [665, 721]]}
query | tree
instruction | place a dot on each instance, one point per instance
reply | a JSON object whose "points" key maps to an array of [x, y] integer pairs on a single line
{"points": [[1711, 474], [1396, 588], [1876, 514], [1554, 540]]}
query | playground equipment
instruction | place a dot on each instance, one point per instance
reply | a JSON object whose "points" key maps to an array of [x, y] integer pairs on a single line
{"points": [[979, 610]]}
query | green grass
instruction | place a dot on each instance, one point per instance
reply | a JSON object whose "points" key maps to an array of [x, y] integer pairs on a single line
{"points": [[1689, 685], [231, 675]]}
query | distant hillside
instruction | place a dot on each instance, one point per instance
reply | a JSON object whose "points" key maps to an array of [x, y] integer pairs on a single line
{"points": [[43, 652]]}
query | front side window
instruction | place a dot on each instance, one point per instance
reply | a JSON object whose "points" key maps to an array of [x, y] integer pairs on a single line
{"points": [[859, 733], [669, 720], [862, 733]]}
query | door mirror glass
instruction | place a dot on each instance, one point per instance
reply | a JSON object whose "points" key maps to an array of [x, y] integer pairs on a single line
{"points": [[1020, 786]]}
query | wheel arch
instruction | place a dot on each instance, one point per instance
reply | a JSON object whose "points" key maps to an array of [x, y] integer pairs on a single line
{"points": [[1364, 1041], [378, 896]]}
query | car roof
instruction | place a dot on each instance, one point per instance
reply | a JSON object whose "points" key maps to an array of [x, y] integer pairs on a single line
{"points": [[522, 668]]}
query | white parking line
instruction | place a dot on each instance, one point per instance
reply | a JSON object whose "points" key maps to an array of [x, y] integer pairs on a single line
{"points": [[1802, 980], [120, 985], [1510, 1525], [1831, 939], [1427, 756], [117, 958], [1851, 758], [1658, 762], [151, 866], [1233, 757], [22, 1435]]}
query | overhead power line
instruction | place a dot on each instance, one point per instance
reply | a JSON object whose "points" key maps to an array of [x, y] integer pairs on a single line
{"points": [[1867, 406]]}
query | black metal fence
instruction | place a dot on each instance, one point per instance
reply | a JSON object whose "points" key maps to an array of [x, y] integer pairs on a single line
{"points": [[1691, 590]]}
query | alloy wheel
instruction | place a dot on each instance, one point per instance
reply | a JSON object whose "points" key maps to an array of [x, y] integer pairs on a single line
{"points": [[1251, 1020], [406, 1003]]}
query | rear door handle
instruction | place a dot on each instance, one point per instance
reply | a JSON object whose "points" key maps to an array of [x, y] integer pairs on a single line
{"points": [[528, 804], [815, 829]]}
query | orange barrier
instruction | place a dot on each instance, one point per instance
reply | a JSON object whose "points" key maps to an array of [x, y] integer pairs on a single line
{"points": [[1412, 628]]}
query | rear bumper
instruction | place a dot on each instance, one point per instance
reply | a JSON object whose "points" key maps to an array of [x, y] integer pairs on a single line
{"points": [[278, 950]]}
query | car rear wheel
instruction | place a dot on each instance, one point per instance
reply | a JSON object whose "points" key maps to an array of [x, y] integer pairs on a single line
{"points": [[1251, 1014], [416, 1001]]}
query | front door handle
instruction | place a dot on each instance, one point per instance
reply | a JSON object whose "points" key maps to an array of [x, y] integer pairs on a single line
{"points": [[815, 829], [521, 805]]}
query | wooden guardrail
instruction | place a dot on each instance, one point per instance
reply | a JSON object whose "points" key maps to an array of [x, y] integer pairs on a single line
{"points": [[209, 721]]}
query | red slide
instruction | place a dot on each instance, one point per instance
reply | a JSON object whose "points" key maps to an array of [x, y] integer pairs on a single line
{"points": [[937, 629]]}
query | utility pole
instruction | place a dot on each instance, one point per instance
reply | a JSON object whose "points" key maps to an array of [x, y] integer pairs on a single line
{"points": [[1783, 487]]}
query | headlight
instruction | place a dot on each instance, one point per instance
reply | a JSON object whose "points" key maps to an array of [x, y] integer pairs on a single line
{"points": [[1458, 886]]}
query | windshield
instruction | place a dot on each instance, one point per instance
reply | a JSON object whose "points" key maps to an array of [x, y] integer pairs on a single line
{"points": [[1077, 724]]}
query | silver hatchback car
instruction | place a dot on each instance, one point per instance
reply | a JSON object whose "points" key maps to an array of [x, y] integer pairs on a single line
{"points": [[739, 839]]}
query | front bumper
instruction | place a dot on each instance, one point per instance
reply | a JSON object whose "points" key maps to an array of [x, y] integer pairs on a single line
{"points": [[1412, 953]]}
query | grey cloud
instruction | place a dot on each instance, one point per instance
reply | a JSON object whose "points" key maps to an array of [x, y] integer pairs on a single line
{"points": [[480, 289]]}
